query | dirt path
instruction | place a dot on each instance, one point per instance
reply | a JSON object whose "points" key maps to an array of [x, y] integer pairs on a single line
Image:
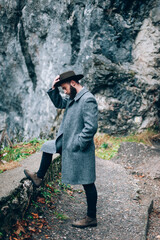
{"points": [[124, 201], [143, 162], [128, 201]]}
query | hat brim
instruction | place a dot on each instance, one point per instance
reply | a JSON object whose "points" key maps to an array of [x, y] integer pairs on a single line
{"points": [[76, 77]]}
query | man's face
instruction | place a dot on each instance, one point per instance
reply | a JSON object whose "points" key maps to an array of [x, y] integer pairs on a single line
{"points": [[69, 90]]}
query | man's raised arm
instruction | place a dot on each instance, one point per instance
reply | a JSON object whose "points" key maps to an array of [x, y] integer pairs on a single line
{"points": [[55, 96]]}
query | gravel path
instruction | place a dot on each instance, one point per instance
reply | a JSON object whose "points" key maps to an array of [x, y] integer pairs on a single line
{"points": [[122, 210], [143, 162], [128, 201]]}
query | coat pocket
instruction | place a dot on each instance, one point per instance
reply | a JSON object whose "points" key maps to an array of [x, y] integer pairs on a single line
{"points": [[75, 146]]}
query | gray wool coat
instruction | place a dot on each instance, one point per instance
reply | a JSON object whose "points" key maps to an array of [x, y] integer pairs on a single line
{"points": [[76, 132]]}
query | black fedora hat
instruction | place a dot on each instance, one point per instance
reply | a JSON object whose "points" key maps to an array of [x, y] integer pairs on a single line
{"points": [[68, 76]]}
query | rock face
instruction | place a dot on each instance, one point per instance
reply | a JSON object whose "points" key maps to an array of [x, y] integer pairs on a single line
{"points": [[114, 43]]}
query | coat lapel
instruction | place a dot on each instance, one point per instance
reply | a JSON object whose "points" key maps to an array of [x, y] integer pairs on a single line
{"points": [[70, 102], [80, 94]]}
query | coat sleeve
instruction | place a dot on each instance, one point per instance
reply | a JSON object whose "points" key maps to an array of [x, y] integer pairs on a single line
{"points": [[90, 117], [57, 99]]}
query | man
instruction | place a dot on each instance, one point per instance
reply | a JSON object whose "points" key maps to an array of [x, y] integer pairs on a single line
{"points": [[74, 141]]}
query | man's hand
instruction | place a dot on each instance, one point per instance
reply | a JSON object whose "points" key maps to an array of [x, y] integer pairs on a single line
{"points": [[55, 81]]}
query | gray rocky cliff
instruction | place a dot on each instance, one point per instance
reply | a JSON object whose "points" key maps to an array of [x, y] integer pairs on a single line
{"points": [[114, 43]]}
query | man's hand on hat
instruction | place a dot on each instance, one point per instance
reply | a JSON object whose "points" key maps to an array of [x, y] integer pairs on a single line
{"points": [[55, 81]]}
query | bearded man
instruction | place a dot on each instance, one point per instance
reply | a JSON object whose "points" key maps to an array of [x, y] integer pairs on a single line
{"points": [[74, 141]]}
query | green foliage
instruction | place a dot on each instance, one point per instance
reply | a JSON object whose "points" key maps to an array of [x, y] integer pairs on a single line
{"points": [[46, 194], [61, 216], [104, 145], [109, 152], [35, 204], [34, 141], [63, 186], [107, 146], [21, 150], [30, 217], [56, 191]]}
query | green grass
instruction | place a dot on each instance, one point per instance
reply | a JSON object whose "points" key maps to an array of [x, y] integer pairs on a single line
{"points": [[61, 216], [107, 146], [20, 151]]}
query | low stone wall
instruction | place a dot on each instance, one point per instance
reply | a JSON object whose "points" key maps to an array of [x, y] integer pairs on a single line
{"points": [[17, 191]]}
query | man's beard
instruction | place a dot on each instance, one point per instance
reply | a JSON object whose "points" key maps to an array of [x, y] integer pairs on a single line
{"points": [[73, 92]]}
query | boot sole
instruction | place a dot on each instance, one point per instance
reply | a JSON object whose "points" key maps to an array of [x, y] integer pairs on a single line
{"points": [[30, 179], [92, 225]]}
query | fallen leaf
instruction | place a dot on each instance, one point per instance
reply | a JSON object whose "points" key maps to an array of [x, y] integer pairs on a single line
{"points": [[50, 187], [43, 220], [32, 229], [52, 207], [41, 200], [128, 167], [27, 236], [32, 223], [41, 225], [70, 192], [142, 176], [9, 165], [24, 223], [19, 228], [35, 215]]}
